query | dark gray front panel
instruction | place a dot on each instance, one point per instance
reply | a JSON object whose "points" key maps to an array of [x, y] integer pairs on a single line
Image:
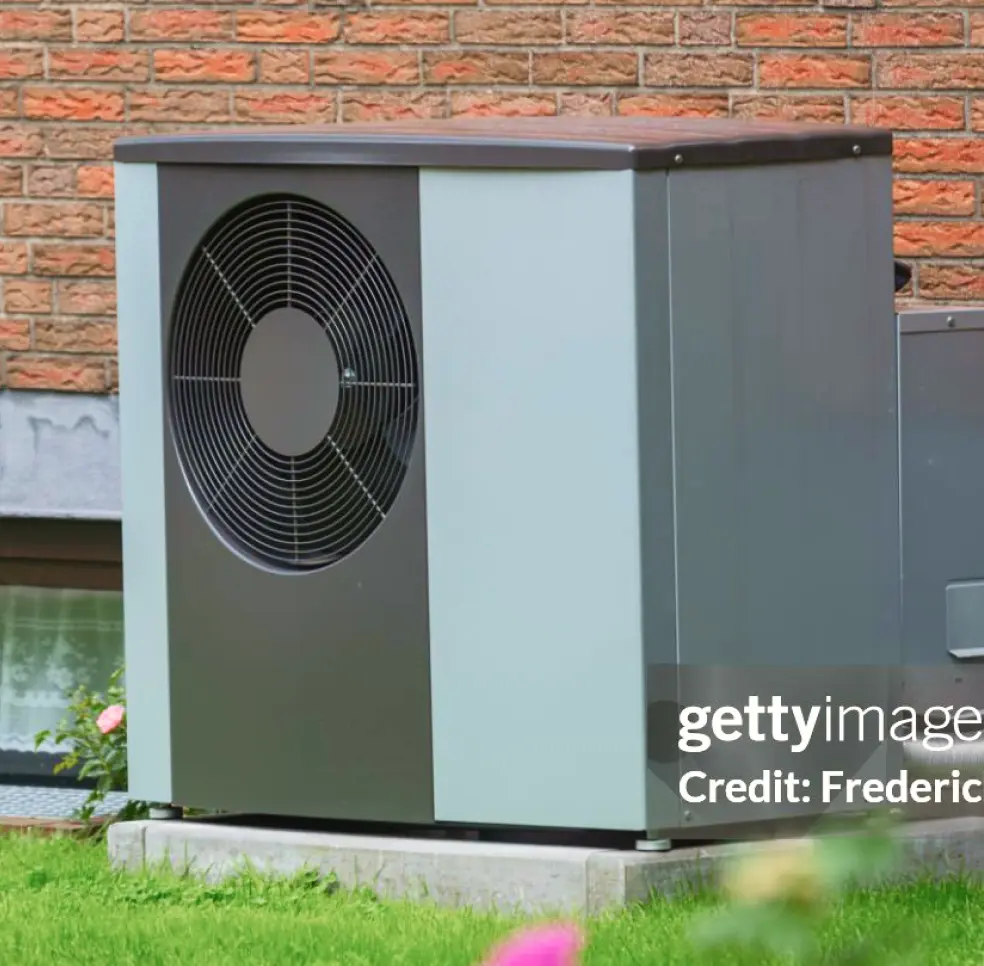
{"points": [[942, 419], [304, 694], [784, 373]]}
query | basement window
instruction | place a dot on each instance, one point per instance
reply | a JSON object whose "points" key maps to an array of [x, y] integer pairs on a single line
{"points": [[61, 625]]}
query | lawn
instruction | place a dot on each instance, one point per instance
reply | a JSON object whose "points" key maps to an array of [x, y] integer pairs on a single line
{"points": [[60, 904]]}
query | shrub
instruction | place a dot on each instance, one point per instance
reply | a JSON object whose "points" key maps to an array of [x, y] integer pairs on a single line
{"points": [[94, 729]]}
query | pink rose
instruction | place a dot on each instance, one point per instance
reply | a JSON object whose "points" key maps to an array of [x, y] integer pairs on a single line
{"points": [[110, 719], [555, 945]]}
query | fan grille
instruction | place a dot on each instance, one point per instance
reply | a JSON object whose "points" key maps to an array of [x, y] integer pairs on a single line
{"points": [[292, 512]]}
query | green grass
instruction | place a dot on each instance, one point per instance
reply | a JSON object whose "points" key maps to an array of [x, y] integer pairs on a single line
{"points": [[60, 904]]}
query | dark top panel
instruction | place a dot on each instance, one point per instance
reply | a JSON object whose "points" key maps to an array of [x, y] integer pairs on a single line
{"points": [[542, 142]]}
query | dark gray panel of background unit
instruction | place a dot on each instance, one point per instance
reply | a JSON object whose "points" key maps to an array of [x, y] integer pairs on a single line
{"points": [[301, 694], [942, 432], [784, 368]]}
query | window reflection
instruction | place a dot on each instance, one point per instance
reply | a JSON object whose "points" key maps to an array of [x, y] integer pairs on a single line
{"points": [[51, 640]]}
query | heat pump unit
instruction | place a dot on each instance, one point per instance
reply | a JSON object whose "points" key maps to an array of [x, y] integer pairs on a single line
{"points": [[451, 449]]}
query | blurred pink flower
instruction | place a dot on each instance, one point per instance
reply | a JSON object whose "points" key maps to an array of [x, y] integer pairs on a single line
{"points": [[553, 945], [110, 719]]}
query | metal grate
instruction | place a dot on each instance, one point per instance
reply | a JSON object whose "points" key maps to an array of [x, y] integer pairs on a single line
{"points": [[307, 511]]}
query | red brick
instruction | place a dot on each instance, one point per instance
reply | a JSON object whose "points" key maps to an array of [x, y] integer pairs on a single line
{"points": [[398, 28], [73, 261], [15, 334], [98, 26], [35, 25], [204, 65], [430, 3], [185, 106], [77, 142], [13, 258], [56, 335], [551, 3], [27, 297], [392, 106], [977, 114], [791, 30], [173, 26], [698, 70], [72, 104], [790, 107], [72, 220], [651, 3], [476, 67], [508, 27], [366, 67], [285, 107], [927, 3], [274, 27], [704, 28], [814, 70], [908, 113], [19, 63], [934, 197], [939, 155], [915, 239], [20, 141], [285, 66], [590, 67], [673, 105], [908, 30], [650, 27], [51, 181], [977, 29], [9, 102], [95, 181], [56, 373], [930, 71], [583, 104], [951, 282], [98, 64], [11, 180], [498, 104], [87, 298]]}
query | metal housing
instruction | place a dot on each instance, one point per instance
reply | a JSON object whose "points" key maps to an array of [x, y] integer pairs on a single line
{"points": [[657, 454]]}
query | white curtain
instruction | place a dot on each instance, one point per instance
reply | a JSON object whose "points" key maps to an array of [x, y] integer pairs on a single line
{"points": [[52, 640]]}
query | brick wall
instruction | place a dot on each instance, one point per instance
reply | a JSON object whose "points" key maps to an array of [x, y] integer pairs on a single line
{"points": [[75, 76]]}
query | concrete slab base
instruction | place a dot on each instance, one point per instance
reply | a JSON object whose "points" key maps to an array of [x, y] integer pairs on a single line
{"points": [[484, 875]]}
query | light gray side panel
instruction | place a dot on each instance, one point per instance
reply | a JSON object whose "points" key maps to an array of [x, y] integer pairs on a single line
{"points": [[532, 498], [142, 473], [785, 434]]}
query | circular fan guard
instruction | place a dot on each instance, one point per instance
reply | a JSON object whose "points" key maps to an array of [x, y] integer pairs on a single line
{"points": [[292, 512]]}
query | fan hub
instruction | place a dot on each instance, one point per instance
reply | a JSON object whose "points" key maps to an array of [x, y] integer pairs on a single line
{"points": [[289, 379]]}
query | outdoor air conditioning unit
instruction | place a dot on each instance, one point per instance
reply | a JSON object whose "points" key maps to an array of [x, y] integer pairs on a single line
{"points": [[453, 451]]}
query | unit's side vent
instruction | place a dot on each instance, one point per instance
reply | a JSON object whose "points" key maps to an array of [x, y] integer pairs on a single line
{"points": [[293, 383]]}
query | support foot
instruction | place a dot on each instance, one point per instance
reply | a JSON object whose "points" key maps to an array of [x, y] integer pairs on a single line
{"points": [[653, 845], [165, 813]]}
